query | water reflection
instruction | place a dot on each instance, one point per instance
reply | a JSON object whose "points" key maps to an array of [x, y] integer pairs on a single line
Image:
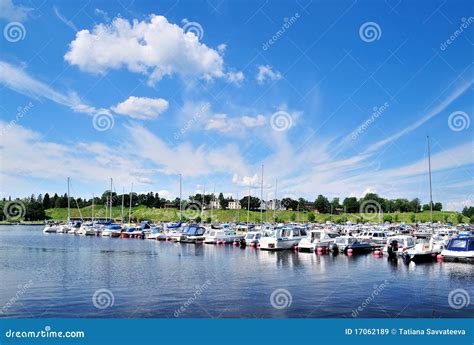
{"points": [[154, 279]]}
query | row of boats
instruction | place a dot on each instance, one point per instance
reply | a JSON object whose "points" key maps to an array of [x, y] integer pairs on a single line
{"points": [[412, 243]]}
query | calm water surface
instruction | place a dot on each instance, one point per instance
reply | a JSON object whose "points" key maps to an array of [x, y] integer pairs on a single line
{"points": [[57, 275]]}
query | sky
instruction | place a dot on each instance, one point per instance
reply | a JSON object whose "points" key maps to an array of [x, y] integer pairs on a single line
{"points": [[331, 97]]}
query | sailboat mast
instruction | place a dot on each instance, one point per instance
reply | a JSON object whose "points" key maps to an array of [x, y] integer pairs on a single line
{"points": [[111, 201], [248, 206], [431, 189], [180, 199], [276, 200], [238, 207], [213, 201], [92, 210], [203, 200], [261, 199], [130, 206], [68, 203], [123, 197]]}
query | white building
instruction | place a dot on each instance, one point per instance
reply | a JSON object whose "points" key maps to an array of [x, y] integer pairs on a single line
{"points": [[234, 205], [273, 204], [215, 204]]}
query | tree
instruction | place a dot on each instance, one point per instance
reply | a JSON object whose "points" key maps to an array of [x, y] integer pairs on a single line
{"points": [[254, 202], [335, 205], [468, 211], [322, 204], [351, 205], [415, 205], [437, 206], [223, 203], [289, 203], [46, 202], [426, 207]]}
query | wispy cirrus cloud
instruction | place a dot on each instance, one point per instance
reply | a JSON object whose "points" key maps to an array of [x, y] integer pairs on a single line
{"points": [[11, 12], [436, 110], [18, 80]]}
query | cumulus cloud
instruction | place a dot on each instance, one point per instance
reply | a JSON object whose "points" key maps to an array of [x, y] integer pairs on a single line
{"points": [[235, 77], [141, 107], [246, 181], [155, 48], [12, 12], [266, 73]]}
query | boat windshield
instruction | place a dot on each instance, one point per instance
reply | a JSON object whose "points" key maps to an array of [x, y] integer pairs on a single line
{"points": [[249, 236], [460, 244], [316, 235]]}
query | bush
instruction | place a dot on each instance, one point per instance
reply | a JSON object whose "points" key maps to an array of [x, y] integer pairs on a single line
{"points": [[387, 218], [311, 217]]}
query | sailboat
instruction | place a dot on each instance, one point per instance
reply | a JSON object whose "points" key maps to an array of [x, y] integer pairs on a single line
{"points": [[426, 250]]}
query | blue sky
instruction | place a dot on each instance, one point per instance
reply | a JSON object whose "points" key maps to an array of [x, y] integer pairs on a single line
{"points": [[333, 97]]}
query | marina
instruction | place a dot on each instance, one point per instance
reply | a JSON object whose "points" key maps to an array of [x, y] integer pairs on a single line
{"points": [[153, 278]]}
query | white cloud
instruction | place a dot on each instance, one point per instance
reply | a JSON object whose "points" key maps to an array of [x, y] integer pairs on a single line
{"points": [[234, 125], [11, 12], [155, 48], [19, 81], [141, 107], [184, 158], [246, 181], [235, 77], [454, 95], [32, 157], [62, 18], [267, 73]]}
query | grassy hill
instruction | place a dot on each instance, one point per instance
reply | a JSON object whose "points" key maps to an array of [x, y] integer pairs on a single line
{"points": [[156, 215]]}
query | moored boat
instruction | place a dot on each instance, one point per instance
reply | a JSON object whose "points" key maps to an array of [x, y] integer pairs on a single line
{"points": [[460, 248], [283, 238]]}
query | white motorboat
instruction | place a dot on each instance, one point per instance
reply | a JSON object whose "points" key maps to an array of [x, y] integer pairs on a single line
{"points": [[51, 228], [423, 251], [252, 238], [112, 230], [154, 233], [315, 239], [375, 237], [87, 229], [403, 242], [460, 248], [225, 235], [190, 234], [283, 238]]}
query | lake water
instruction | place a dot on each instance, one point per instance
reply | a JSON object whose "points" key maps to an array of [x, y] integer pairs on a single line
{"points": [[60, 275]]}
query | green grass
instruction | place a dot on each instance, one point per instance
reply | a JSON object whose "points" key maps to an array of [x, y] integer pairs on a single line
{"points": [[156, 214]]}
